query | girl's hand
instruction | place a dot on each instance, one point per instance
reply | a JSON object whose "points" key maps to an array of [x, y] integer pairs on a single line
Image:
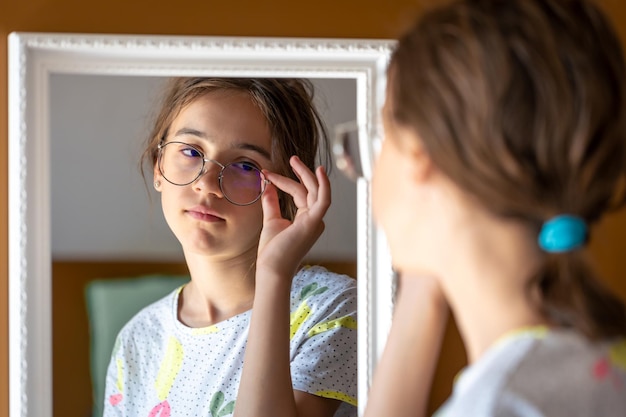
{"points": [[283, 243]]}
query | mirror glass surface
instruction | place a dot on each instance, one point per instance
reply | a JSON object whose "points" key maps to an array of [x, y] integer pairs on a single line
{"points": [[58, 204], [100, 207]]}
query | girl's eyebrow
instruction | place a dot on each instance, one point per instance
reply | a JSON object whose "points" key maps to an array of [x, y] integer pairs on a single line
{"points": [[189, 131], [255, 148], [186, 131]]}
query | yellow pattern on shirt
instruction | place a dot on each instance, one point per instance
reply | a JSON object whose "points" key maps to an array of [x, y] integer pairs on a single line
{"points": [[298, 317], [617, 354], [205, 330], [347, 322], [337, 396], [120, 374], [170, 366]]}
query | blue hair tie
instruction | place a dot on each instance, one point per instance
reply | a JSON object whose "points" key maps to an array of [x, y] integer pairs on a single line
{"points": [[562, 234]]}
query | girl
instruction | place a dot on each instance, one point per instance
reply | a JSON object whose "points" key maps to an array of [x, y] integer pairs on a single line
{"points": [[251, 334], [505, 142]]}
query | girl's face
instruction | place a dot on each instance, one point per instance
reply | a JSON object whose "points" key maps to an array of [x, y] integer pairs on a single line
{"points": [[227, 127], [387, 182], [397, 192]]}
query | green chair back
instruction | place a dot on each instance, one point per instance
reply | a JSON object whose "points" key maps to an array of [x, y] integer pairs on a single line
{"points": [[111, 303]]}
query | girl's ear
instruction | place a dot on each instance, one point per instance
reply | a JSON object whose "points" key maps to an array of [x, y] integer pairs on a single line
{"points": [[422, 167], [157, 177]]}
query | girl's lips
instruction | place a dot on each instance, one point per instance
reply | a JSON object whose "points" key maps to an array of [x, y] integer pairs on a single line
{"points": [[204, 214]]}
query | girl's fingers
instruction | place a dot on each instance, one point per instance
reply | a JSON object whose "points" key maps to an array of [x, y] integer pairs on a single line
{"points": [[312, 188], [307, 178], [324, 193], [289, 186], [269, 201]]}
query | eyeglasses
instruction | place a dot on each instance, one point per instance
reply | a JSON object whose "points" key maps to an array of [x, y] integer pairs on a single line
{"points": [[241, 183], [355, 150]]}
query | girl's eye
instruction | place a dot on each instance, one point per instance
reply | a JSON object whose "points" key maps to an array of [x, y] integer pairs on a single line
{"points": [[246, 166], [191, 152]]}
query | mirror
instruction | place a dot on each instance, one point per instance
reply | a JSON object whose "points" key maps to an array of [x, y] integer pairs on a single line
{"points": [[40, 68]]}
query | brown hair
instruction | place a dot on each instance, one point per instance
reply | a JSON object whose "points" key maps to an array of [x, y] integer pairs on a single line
{"points": [[295, 124], [522, 103]]}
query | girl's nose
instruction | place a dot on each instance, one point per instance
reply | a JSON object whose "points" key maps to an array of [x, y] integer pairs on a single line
{"points": [[208, 181]]}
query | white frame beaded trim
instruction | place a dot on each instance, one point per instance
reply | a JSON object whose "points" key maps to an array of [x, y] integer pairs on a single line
{"points": [[34, 57]]}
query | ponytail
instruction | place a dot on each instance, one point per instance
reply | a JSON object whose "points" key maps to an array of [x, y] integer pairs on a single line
{"points": [[572, 296]]}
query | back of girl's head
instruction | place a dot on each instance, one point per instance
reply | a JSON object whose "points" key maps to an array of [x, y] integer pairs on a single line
{"points": [[522, 103], [295, 125]]}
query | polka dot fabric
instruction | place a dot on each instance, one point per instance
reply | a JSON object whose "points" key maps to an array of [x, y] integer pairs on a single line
{"points": [[543, 372], [160, 367]]}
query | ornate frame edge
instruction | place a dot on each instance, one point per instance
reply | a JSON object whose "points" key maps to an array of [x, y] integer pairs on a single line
{"points": [[34, 56]]}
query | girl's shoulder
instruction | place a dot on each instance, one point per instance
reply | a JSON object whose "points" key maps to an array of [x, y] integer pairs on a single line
{"points": [[551, 373], [315, 273], [576, 359], [315, 279], [566, 350], [320, 287], [565, 373]]}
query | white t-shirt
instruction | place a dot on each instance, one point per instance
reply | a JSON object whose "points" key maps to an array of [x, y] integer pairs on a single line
{"points": [[160, 367], [543, 373]]}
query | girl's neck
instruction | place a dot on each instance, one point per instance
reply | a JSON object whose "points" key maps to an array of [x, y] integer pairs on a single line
{"points": [[483, 319], [217, 291], [487, 283]]}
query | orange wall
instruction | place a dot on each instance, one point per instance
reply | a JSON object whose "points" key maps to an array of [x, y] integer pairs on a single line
{"points": [[319, 18]]}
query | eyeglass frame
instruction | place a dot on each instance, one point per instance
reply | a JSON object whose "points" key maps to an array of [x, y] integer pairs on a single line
{"points": [[369, 142], [202, 171]]}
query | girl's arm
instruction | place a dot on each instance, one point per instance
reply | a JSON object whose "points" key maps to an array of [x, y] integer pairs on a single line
{"points": [[403, 376], [266, 388]]}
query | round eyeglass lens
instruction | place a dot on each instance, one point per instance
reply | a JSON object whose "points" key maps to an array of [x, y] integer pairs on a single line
{"points": [[242, 183], [180, 163]]}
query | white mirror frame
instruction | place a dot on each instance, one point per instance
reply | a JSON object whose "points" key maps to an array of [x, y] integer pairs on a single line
{"points": [[34, 57]]}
